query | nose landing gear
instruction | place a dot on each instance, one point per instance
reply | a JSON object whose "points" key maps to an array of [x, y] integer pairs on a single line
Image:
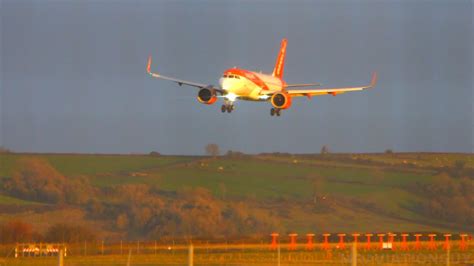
{"points": [[275, 111], [227, 107]]}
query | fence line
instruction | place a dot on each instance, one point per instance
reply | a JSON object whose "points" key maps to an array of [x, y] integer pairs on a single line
{"points": [[104, 253], [153, 247]]}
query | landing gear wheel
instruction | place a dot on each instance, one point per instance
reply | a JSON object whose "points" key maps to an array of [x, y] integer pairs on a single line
{"points": [[275, 111], [223, 108], [230, 108]]}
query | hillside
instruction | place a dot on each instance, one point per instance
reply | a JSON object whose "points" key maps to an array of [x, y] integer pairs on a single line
{"points": [[141, 196]]}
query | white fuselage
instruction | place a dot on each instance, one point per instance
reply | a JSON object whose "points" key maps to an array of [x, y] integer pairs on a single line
{"points": [[248, 85]]}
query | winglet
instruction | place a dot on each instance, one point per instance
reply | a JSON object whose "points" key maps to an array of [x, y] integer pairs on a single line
{"points": [[148, 66], [374, 80], [148, 69]]}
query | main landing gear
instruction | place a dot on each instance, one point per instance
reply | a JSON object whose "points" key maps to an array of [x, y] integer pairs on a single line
{"points": [[228, 107], [275, 111]]}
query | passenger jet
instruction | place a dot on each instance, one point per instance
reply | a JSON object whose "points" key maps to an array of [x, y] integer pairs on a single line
{"points": [[240, 84]]}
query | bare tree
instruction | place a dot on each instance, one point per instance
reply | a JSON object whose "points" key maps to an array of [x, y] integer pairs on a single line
{"points": [[15, 231], [212, 149], [34, 178], [324, 149], [154, 154]]}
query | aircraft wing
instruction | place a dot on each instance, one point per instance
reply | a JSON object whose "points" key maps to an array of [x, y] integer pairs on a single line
{"points": [[332, 91], [179, 81], [302, 85]]}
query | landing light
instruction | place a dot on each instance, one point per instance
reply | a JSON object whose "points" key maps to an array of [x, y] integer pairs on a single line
{"points": [[264, 97], [231, 96]]}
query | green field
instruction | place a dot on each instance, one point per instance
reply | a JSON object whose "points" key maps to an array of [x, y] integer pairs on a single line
{"points": [[366, 192], [78, 164], [7, 200]]}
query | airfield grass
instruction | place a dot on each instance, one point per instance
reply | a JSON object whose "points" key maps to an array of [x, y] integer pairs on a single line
{"points": [[261, 255]]}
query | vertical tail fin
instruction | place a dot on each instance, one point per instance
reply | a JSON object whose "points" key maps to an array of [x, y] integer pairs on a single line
{"points": [[280, 61]]}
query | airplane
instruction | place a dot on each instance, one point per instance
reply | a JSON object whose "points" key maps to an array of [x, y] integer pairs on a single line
{"points": [[241, 84]]}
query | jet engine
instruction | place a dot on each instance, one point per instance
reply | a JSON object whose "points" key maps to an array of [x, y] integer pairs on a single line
{"points": [[207, 95], [281, 100]]}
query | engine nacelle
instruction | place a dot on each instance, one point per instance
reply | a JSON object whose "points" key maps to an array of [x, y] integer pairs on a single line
{"points": [[207, 95], [281, 100]]}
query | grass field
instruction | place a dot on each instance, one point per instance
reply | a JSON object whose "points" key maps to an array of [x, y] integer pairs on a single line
{"points": [[79, 164], [7, 200], [378, 180]]}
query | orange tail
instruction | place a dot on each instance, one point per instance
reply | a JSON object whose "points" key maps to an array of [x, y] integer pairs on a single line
{"points": [[280, 62]]}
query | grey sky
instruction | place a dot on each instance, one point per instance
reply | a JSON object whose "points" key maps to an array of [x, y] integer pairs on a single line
{"points": [[73, 75]]}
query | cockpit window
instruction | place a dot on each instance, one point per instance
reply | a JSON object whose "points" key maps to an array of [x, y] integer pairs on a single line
{"points": [[231, 76]]}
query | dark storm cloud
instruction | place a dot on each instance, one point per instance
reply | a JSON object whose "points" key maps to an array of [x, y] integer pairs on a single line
{"points": [[73, 75]]}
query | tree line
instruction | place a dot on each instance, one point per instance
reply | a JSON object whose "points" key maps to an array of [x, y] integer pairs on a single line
{"points": [[139, 210], [17, 231], [147, 212], [449, 198]]}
